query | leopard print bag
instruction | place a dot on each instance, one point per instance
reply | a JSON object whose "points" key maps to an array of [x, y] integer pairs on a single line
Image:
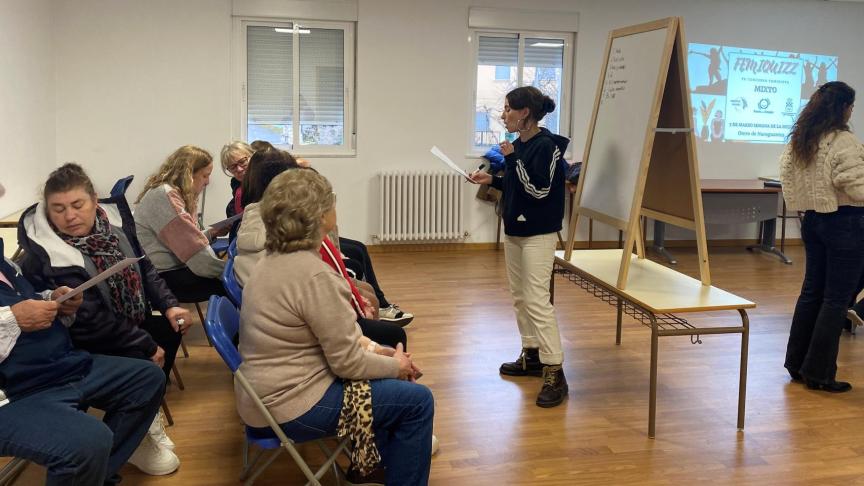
{"points": [[355, 422]]}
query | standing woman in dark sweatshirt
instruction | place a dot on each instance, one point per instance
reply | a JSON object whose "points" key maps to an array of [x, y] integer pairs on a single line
{"points": [[533, 188]]}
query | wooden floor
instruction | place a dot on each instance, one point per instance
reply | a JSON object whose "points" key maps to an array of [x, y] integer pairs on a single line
{"points": [[491, 432]]}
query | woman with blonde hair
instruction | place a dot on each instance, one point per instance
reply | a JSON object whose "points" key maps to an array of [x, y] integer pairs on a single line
{"points": [[168, 231], [305, 356]]}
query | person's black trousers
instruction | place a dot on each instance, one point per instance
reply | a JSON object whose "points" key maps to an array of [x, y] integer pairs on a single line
{"points": [[834, 248]]}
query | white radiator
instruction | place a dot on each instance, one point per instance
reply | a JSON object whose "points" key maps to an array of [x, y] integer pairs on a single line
{"points": [[420, 206]]}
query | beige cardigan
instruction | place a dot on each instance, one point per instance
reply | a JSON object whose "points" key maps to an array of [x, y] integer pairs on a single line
{"points": [[834, 178], [297, 335], [250, 243]]}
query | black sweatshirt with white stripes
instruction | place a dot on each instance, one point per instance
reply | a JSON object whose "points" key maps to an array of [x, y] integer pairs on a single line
{"points": [[533, 185]]}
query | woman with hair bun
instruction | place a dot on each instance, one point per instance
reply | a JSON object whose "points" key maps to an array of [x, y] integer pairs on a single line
{"points": [[822, 171], [533, 207]]}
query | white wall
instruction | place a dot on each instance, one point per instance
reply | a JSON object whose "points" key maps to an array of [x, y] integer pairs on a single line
{"points": [[26, 100], [137, 79]]}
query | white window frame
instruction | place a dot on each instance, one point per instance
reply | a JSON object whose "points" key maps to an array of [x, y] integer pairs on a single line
{"points": [[239, 127], [568, 38]]}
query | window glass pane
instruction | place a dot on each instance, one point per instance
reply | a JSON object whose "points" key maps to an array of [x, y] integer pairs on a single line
{"points": [[322, 86], [497, 61], [544, 67], [269, 71], [502, 72]]}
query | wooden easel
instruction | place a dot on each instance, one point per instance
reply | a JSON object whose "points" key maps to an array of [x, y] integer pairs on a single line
{"points": [[667, 182]]}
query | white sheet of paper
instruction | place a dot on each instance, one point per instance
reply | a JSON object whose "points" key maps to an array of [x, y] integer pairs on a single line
{"points": [[449, 163], [98, 278], [226, 222]]}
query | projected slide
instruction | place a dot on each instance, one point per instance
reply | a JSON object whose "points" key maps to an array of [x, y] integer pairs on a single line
{"points": [[751, 95]]}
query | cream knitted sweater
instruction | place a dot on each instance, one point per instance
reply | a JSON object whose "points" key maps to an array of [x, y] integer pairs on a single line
{"points": [[834, 178]]}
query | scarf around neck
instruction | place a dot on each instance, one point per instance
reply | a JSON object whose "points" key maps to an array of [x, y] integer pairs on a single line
{"points": [[103, 248]]}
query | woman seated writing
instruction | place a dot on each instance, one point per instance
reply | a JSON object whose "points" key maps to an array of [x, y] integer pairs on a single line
{"points": [[303, 352], [71, 237], [168, 231], [263, 168]]}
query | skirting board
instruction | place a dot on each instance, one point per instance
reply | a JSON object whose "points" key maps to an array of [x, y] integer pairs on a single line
{"points": [[579, 245]]}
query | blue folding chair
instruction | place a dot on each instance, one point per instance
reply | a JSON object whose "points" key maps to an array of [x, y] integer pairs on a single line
{"points": [[229, 281], [121, 186], [232, 249], [220, 246], [221, 325]]}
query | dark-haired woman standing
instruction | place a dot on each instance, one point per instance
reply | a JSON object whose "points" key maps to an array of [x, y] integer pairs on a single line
{"points": [[822, 170], [533, 207]]}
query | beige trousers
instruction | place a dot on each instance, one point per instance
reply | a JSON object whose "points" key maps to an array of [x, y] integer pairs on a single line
{"points": [[529, 268]]}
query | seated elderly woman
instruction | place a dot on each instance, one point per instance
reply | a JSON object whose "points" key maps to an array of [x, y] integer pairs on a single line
{"points": [[71, 237], [168, 230], [235, 159], [263, 168], [303, 351]]}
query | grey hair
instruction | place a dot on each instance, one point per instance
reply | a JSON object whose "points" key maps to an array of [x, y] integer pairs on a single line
{"points": [[233, 148]]}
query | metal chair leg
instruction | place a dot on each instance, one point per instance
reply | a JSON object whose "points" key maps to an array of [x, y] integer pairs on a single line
{"points": [[201, 316], [10, 472], [176, 372], [183, 347], [167, 413]]}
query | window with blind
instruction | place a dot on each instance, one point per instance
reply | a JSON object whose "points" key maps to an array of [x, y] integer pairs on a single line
{"points": [[506, 60], [298, 85]]}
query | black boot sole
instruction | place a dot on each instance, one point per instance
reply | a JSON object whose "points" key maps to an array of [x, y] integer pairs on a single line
{"points": [[836, 387], [537, 373]]}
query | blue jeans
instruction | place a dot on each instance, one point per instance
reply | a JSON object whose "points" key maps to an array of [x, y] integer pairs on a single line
{"points": [[52, 428], [401, 418], [834, 248]]}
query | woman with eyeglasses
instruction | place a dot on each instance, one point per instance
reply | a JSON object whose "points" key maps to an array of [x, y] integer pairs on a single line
{"points": [[235, 159]]}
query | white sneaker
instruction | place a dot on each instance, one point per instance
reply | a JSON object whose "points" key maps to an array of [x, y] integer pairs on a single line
{"points": [[154, 460], [435, 445], [157, 432], [395, 315]]}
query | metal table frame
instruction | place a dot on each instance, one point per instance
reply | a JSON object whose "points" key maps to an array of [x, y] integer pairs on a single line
{"points": [[660, 325]]}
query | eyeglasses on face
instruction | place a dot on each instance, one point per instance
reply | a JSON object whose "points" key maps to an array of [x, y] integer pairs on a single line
{"points": [[239, 163]]}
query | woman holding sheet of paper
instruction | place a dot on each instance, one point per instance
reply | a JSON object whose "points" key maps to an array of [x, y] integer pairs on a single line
{"points": [[70, 237], [533, 207]]}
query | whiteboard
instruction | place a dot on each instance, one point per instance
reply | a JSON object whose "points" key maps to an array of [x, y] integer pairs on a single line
{"points": [[626, 97]]}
